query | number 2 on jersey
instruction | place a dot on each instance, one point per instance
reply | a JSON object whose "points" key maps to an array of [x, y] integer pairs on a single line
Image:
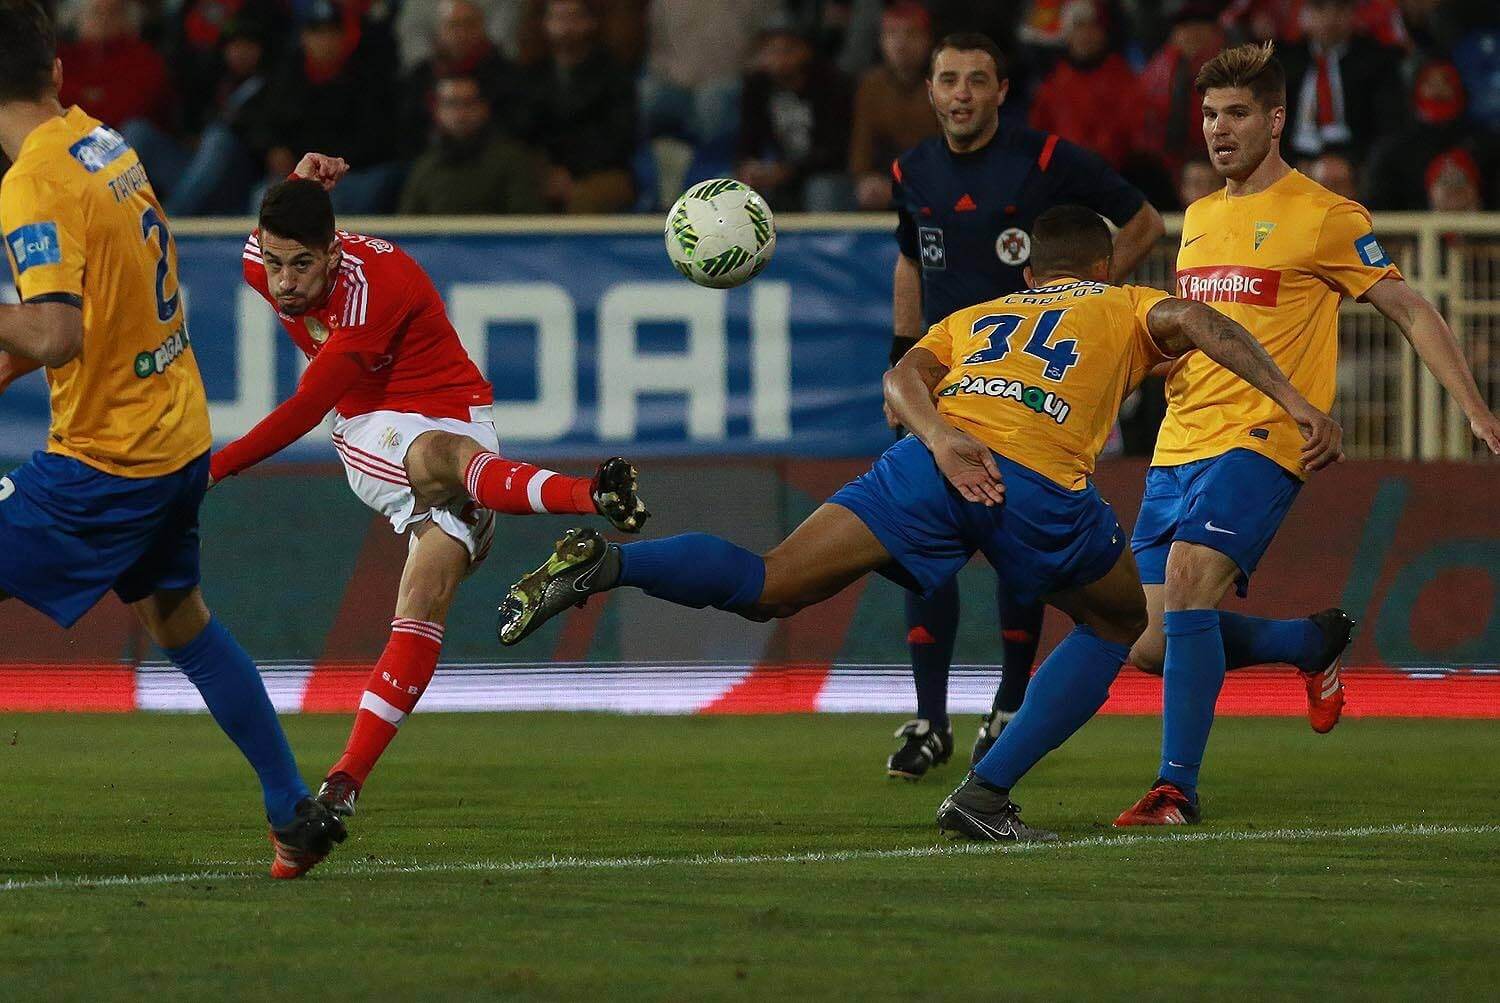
{"points": [[151, 221], [1059, 357]]}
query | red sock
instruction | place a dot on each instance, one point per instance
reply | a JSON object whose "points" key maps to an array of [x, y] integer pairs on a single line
{"points": [[396, 684], [515, 488]]}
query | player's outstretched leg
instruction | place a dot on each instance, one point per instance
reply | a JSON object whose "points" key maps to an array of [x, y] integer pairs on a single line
{"points": [[931, 627], [1314, 645], [1020, 634], [1069, 688], [434, 568], [442, 466], [829, 551], [302, 831]]}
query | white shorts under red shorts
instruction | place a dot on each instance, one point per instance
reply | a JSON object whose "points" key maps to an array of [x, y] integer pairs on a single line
{"points": [[373, 447]]}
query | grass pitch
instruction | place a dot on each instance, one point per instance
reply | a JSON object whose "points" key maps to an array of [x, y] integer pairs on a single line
{"points": [[561, 856]]}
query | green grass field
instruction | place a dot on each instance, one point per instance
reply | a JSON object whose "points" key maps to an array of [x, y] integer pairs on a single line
{"points": [[561, 856]]}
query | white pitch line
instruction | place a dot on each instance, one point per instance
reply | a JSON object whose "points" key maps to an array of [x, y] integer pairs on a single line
{"points": [[380, 867]]}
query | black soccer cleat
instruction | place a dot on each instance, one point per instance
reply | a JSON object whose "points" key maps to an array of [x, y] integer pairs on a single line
{"points": [[303, 843], [338, 794], [973, 811], [582, 564], [990, 727], [924, 748], [617, 496]]}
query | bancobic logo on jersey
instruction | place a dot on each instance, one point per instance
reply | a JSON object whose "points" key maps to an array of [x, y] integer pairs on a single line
{"points": [[1229, 284]]}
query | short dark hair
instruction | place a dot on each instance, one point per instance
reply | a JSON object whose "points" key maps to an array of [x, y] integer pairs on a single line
{"points": [[28, 48], [1068, 239], [298, 209], [968, 41], [1254, 67]]}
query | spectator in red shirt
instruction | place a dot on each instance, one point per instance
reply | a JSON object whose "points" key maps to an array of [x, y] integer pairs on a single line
{"points": [[1171, 109], [1091, 97], [110, 71]]}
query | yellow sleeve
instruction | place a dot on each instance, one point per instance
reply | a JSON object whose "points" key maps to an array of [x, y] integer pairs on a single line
{"points": [[939, 341], [1348, 256], [44, 237], [1142, 299]]}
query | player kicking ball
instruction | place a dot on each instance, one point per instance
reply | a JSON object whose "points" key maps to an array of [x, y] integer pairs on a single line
{"points": [[1277, 252], [112, 504], [1008, 403], [413, 430]]}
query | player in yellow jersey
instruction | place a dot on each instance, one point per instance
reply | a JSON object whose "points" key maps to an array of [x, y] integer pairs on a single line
{"points": [[1276, 252], [1008, 403], [112, 504]]}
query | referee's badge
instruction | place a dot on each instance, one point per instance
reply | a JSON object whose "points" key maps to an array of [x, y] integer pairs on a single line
{"points": [[1013, 246], [934, 256]]}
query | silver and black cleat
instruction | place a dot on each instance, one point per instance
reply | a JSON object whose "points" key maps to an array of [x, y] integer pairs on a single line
{"points": [[976, 812], [990, 727], [617, 495], [338, 794], [924, 747], [582, 564]]}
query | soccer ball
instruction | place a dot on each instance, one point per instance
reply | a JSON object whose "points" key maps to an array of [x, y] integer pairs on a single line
{"points": [[720, 234]]}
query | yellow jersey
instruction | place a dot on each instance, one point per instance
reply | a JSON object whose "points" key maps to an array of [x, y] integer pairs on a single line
{"points": [[1038, 376], [82, 226], [1278, 262]]}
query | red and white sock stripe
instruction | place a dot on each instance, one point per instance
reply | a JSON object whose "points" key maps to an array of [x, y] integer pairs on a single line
{"points": [[535, 478], [382, 708], [422, 628]]}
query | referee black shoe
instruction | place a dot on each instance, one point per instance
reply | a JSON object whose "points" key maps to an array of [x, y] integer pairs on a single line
{"points": [[977, 811], [582, 563], [990, 727], [924, 748]]}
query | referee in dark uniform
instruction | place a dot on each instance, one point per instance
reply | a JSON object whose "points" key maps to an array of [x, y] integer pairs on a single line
{"points": [[966, 200]]}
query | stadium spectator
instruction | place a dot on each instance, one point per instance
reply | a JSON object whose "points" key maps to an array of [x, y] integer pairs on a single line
{"points": [[1091, 97], [112, 71], [1453, 183], [471, 167], [892, 112], [1283, 21], [334, 94], [844, 32], [1395, 177], [691, 88], [1333, 170], [794, 136], [581, 114], [1343, 87], [462, 48], [195, 49], [1195, 180], [1171, 112], [417, 28]]}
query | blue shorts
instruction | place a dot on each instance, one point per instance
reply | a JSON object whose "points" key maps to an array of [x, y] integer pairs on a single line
{"points": [[1233, 503], [1045, 539], [70, 533]]}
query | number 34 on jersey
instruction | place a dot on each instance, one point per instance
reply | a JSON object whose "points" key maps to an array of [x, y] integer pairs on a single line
{"points": [[1039, 375]]}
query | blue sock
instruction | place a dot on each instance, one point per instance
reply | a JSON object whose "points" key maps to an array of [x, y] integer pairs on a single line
{"points": [[1254, 640], [695, 570], [1020, 633], [1191, 680], [231, 686], [931, 626], [1068, 689]]}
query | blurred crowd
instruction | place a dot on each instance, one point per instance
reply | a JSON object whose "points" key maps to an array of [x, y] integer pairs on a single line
{"points": [[585, 106]]}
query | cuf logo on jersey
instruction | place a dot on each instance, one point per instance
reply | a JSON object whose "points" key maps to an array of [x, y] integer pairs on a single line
{"points": [[934, 257], [34, 244], [1262, 231], [1013, 246], [1370, 251]]}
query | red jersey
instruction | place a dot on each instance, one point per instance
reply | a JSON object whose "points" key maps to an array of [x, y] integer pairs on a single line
{"points": [[384, 310]]}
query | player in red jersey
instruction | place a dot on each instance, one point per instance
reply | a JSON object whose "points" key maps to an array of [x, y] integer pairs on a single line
{"points": [[413, 430]]}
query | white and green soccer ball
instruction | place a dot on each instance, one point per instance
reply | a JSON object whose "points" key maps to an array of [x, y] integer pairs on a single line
{"points": [[720, 233]]}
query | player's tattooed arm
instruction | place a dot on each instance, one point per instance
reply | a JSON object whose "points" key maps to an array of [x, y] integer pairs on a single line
{"points": [[963, 459], [1434, 342], [49, 332], [1180, 325]]}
